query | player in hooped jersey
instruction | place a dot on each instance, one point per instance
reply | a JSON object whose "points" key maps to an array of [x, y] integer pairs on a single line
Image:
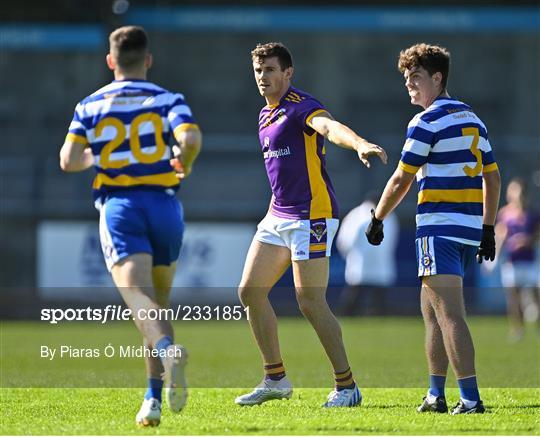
{"points": [[447, 148], [123, 130], [299, 226]]}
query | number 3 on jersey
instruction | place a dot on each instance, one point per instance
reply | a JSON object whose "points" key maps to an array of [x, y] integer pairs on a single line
{"points": [[134, 140], [473, 171]]}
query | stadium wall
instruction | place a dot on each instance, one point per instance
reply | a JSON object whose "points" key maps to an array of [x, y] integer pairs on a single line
{"points": [[352, 71]]}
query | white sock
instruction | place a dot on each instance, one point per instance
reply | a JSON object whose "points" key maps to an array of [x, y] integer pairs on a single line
{"points": [[430, 398], [468, 403]]}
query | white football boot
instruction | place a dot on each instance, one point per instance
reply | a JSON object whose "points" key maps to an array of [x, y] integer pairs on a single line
{"points": [[150, 413], [344, 398], [267, 390], [174, 377]]}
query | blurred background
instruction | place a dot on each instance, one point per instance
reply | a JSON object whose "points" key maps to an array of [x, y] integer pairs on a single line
{"points": [[52, 55]]}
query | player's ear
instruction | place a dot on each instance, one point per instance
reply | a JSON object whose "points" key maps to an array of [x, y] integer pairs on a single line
{"points": [[437, 77], [110, 62], [289, 72], [148, 61]]}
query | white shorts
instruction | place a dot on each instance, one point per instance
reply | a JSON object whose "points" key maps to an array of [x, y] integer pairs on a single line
{"points": [[519, 274], [306, 239]]}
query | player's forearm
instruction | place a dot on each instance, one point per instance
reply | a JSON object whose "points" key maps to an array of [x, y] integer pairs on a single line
{"points": [[343, 136], [190, 142], [492, 192], [71, 162], [396, 188]]}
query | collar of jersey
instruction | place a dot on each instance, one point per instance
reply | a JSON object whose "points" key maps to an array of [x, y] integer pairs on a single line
{"points": [[129, 80], [442, 98], [439, 101], [280, 100]]}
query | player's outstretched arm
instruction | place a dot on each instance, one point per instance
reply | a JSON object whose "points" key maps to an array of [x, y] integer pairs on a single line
{"points": [[189, 140], [75, 156], [344, 136]]}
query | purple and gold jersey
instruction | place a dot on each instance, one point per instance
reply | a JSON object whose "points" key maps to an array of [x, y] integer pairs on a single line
{"points": [[521, 227], [128, 125], [294, 156]]}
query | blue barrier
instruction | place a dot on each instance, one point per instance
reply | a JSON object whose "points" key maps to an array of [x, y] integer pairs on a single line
{"points": [[52, 37], [317, 19]]}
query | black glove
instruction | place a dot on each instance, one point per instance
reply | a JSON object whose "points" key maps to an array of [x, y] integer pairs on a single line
{"points": [[374, 231], [486, 250]]}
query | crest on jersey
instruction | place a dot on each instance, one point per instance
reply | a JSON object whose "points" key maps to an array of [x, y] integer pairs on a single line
{"points": [[281, 117], [318, 230]]}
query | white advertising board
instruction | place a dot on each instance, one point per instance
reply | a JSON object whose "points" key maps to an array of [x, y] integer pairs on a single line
{"points": [[69, 258]]}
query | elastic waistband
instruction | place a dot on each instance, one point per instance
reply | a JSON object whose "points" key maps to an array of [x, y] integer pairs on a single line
{"points": [[129, 192]]}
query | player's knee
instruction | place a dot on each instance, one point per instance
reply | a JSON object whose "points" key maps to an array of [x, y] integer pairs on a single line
{"points": [[250, 295], [306, 309], [430, 320], [428, 315], [308, 304], [243, 295], [449, 318]]}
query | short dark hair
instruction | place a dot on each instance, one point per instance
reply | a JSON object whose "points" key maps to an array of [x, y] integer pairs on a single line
{"points": [[128, 46], [433, 58], [273, 49]]}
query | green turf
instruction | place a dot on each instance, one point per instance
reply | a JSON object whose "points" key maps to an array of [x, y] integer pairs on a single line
{"points": [[386, 356], [384, 352], [212, 411]]}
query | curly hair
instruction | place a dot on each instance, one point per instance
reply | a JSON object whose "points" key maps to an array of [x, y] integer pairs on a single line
{"points": [[273, 49], [433, 58]]}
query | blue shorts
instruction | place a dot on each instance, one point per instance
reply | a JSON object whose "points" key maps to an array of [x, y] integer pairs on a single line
{"points": [[441, 256], [141, 221]]}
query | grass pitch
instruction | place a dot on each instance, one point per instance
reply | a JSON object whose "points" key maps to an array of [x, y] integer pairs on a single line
{"points": [[60, 397], [212, 411]]}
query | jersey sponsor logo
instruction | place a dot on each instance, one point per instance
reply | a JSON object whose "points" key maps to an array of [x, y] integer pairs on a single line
{"points": [[463, 115], [127, 93], [277, 153], [300, 252]]}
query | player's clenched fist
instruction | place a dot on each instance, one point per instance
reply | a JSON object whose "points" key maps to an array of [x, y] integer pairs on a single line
{"points": [[486, 250], [374, 231]]}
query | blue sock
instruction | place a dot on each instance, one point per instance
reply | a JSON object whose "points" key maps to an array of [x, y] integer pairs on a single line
{"points": [[468, 388], [436, 385], [163, 344], [154, 389]]}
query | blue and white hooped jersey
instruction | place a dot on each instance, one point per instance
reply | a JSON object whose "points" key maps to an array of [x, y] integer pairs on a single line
{"points": [[447, 147], [128, 126]]}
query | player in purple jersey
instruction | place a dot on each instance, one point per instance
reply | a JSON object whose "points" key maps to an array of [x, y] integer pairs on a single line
{"points": [[300, 225], [123, 130], [434, 151], [518, 230]]}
